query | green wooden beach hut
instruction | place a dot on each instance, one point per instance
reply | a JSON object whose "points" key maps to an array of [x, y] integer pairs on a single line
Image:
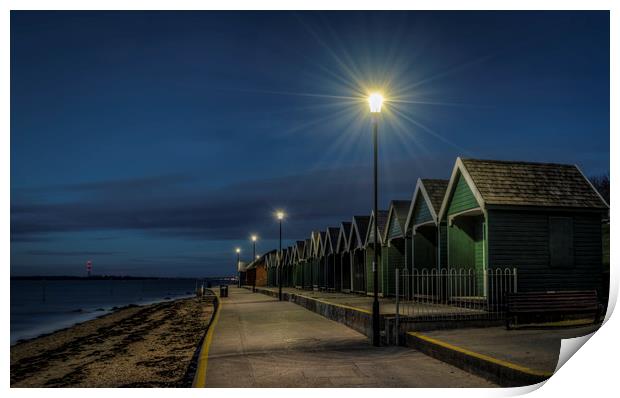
{"points": [[428, 235], [329, 252], [357, 248], [287, 266], [322, 260], [298, 268], [345, 258], [316, 260], [369, 245], [307, 264], [397, 245], [543, 219]]}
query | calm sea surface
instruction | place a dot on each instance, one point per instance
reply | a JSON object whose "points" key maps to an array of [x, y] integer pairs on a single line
{"points": [[43, 306]]}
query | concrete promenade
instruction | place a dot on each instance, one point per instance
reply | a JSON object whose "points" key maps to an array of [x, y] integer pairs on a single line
{"points": [[387, 305], [535, 349], [261, 342]]}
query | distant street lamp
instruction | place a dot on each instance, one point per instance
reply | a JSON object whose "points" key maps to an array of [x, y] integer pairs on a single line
{"points": [[375, 101], [238, 250], [254, 239], [280, 216]]}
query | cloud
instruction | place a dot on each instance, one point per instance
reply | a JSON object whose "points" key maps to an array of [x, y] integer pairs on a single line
{"points": [[62, 253], [178, 206]]}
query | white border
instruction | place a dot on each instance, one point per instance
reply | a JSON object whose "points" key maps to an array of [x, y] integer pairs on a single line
{"points": [[592, 371]]}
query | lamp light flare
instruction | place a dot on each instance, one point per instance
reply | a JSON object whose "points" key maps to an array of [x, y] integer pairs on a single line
{"points": [[254, 238], [280, 215], [237, 250], [375, 100]]}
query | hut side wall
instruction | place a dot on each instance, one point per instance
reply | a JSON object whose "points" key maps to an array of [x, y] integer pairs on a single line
{"points": [[261, 276], [522, 239], [345, 264], [395, 258], [359, 270], [369, 277]]}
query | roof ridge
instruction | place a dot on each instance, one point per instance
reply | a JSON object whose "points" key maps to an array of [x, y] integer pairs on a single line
{"points": [[519, 162]]}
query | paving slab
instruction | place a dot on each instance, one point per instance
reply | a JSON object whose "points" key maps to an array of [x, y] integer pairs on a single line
{"points": [[261, 342], [535, 349]]}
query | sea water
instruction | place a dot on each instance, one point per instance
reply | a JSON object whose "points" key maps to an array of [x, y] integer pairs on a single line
{"points": [[44, 306]]}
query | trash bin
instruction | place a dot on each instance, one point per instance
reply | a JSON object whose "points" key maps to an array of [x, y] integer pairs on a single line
{"points": [[223, 290]]}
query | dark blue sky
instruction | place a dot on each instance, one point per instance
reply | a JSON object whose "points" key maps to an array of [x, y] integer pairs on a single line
{"points": [[154, 143]]}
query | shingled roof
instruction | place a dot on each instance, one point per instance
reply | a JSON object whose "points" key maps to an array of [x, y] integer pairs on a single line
{"points": [[401, 208], [436, 190], [360, 224], [382, 216], [532, 184]]}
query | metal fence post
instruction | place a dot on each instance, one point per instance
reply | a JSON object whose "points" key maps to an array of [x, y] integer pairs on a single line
{"points": [[397, 306]]}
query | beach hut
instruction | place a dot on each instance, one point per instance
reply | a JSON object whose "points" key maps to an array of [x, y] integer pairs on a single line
{"points": [[316, 261], [286, 262], [298, 268], [268, 265], [329, 253], [322, 271], [397, 245], [542, 219], [357, 248], [343, 263], [369, 245], [427, 234], [307, 264], [257, 271]]}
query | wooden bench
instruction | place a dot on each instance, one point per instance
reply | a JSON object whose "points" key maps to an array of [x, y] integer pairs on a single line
{"points": [[555, 303]]}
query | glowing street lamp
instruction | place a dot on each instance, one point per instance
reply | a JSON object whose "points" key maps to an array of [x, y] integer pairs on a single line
{"points": [[375, 101], [280, 216], [238, 251]]}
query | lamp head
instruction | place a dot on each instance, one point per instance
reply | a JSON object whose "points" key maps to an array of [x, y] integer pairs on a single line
{"points": [[375, 100], [280, 215], [254, 238], [237, 250]]}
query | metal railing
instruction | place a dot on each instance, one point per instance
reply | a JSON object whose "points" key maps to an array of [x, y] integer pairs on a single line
{"points": [[454, 293]]}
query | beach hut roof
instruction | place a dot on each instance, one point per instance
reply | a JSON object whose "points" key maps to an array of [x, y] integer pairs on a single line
{"points": [[299, 249], [382, 216], [331, 240], [262, 260], [343, 237], [359, 227], [320, 246], [307, 248], [397, 216], [432, 191], [525, 184]]}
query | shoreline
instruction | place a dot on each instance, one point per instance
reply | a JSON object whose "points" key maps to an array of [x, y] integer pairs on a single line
{"points": [[149, 345], [97, 314]]}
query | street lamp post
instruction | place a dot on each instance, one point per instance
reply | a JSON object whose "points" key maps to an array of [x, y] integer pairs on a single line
{"points": [[375, 101], [238, 250], [254, 238], [280, 216]]}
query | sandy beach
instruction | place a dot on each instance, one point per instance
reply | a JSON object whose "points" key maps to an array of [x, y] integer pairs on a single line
{"points": [[137, 346]]}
